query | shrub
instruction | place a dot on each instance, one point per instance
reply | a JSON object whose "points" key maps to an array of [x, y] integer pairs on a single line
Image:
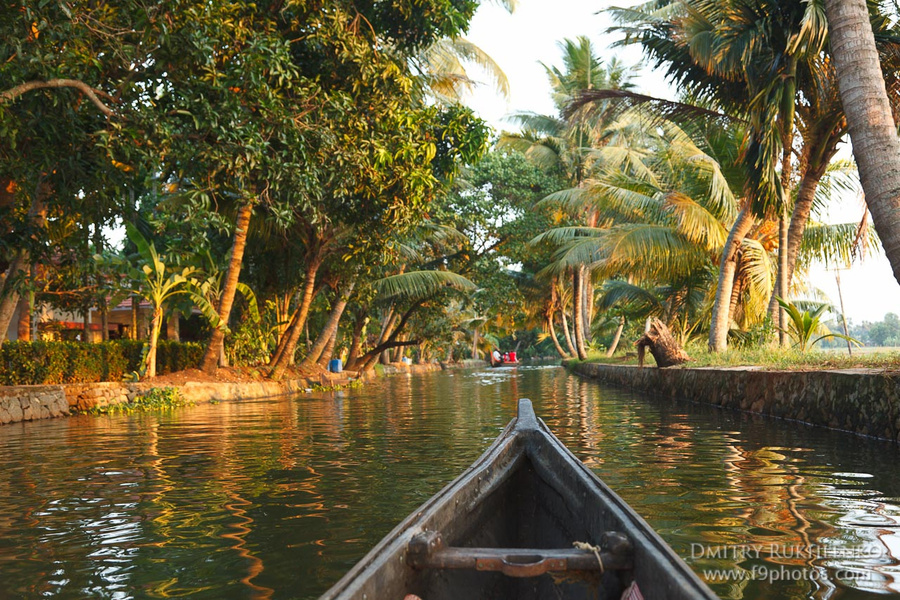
{"points": [[37, 363]]}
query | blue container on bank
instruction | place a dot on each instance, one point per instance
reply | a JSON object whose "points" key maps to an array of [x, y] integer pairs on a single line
{"points": [[335, 365]]}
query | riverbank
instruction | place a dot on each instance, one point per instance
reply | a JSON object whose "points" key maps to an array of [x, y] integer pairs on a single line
{"points": [[861, 401], [35, 402]]}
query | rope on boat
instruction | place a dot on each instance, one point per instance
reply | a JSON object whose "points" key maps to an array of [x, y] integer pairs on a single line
{"points": [[591, 548]]}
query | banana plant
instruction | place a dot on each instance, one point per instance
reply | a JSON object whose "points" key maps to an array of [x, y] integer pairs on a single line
{"points": [[803, 325], [159, 283]]}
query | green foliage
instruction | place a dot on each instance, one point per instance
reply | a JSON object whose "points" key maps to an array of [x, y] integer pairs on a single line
{"points": [[251, 343], [155, 399], [40, 363], [803, 326], [754, 337], [879, 333]]}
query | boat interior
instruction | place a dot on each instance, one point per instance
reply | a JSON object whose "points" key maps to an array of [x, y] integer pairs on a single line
{"points": [[528, 520], [525, 512]]}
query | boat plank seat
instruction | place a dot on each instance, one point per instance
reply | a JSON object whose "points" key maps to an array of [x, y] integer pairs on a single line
{"points": [[427, 551]]}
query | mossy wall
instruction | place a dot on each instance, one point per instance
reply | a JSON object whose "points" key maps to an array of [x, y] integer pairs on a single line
{"points": [[863, 401]]}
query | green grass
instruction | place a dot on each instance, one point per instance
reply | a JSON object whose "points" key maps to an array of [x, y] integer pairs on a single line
{"points": [[772, 358]]}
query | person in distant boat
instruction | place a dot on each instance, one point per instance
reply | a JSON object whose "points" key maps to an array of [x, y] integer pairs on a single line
{"points": [[506, 357], [495, 357]]}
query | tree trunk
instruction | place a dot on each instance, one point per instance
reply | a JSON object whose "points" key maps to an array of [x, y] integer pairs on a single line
{"points": [[226, 301], [552, 331], [616, 338], [386, 327], [806, 193], [587, 302], [155, 326], [475, 344], [566, 333], [23, 327], [329, 349], [398, 351], [721, 319], [104, 319], [329, 331], [783, 277], [737, 290], [280, 363], [368, 359], [578, 313], [873, 132], [663, 346], [9, 295], [356, 339], [135, 317]]}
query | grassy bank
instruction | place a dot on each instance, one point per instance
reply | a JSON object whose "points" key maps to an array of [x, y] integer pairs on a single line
{"points": [[772, 358]]}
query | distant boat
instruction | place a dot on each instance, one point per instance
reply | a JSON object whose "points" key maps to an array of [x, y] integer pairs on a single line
{"points": [[509, 359], [505, 363], [506, 528]]}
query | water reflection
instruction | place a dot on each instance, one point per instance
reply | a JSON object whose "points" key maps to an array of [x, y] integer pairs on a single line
{"points": [[277, 498]]}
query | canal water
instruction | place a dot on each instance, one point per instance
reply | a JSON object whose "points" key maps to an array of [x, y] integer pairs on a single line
{"points": [[278, 498]]}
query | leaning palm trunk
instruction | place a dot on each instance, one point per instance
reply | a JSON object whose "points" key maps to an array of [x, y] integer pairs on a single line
{"points": [[806, 193], [217, 342], [356, 339], [329, 348], [578, 313], [567, 334], [331, 326], [721, 319], [616, 338], [552, 331], [280, 361], [387, 326], [587, 303], [367, 360], [873, 132]]}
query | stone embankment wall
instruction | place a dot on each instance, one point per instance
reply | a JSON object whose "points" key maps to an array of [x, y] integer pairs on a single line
{"points": [[863, 401], [33, 402]]}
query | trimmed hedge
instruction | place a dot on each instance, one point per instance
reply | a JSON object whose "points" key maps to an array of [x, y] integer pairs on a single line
{"points": [[36, 363]]}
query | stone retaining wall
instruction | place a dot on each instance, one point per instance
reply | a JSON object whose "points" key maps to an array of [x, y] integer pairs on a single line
{"points": [[33, 402], [863, 401]]}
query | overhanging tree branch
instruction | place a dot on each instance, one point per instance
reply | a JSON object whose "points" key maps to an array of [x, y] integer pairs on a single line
{"points": [[92, 93]]}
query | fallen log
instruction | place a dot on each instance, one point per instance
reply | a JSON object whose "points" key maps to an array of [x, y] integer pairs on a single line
{"points": [[662, 345]]}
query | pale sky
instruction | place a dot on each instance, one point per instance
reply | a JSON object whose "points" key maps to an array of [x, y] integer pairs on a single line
{"points": [[521, 41]]}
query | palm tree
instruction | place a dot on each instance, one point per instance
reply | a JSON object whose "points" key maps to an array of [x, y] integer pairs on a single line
{"points": [[873, 130], [562, 144], [729, 52]]}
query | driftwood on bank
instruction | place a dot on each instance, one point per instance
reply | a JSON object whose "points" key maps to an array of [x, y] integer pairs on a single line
{"points": [[662, 345]]}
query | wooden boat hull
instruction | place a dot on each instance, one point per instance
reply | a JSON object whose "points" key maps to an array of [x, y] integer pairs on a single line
{"points": [[526, 491]]}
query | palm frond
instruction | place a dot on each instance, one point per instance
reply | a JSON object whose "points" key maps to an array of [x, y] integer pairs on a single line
{"points": [[419, 285]]}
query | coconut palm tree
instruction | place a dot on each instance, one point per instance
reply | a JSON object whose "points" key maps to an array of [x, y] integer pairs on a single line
{"points": [[872, 127], [665, 207], [729, 52], [557, 143]]}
